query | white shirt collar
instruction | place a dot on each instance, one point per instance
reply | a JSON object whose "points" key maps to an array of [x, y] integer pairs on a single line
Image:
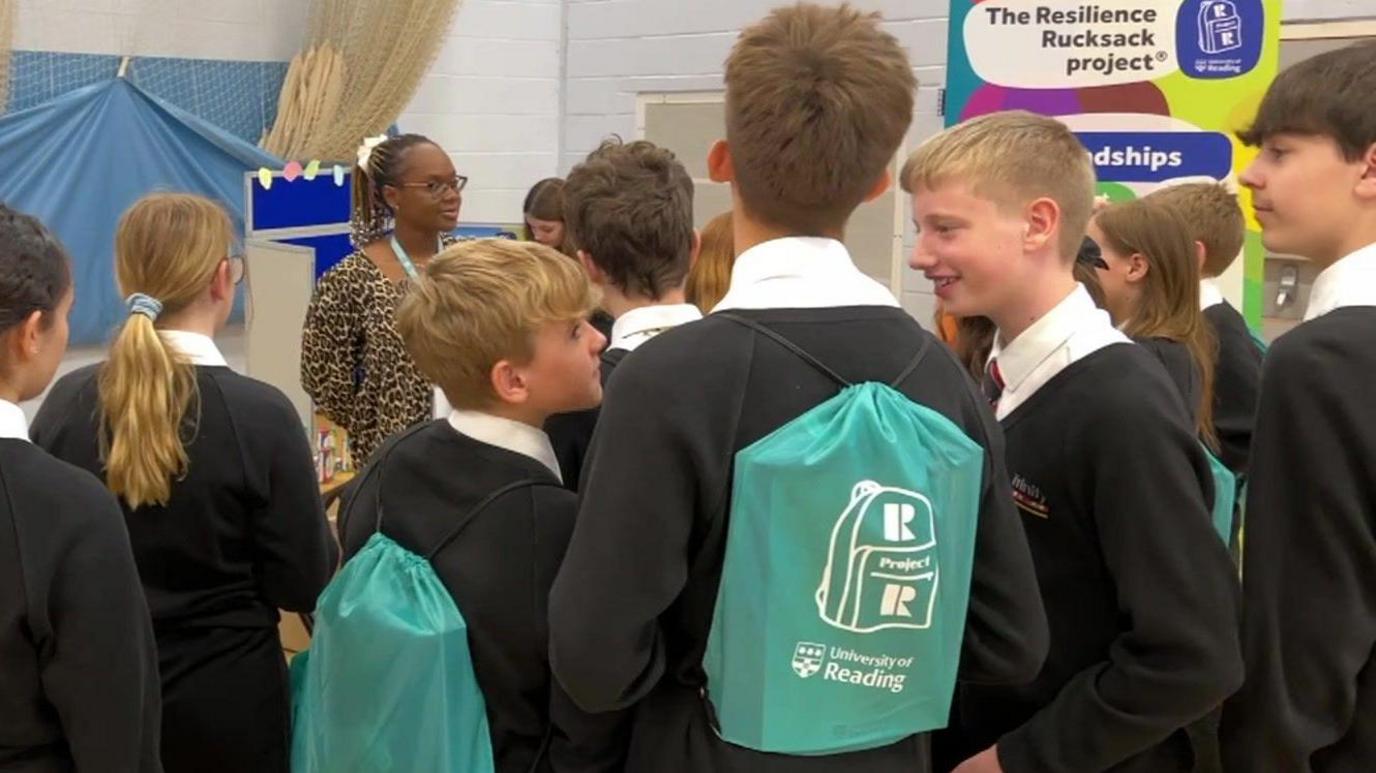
{"points": [[13, 424], [514, 436], [1349, 282], [637, 326], [1056, 329], [801, 273], [200, 349], [1209, 294]]}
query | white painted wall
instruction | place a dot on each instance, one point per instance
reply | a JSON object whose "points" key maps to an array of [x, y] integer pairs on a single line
{"points": [[1305, 10], [618, 48], [492, 99], [249, 30]]}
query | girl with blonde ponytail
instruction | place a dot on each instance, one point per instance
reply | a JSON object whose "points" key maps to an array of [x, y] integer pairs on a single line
{"points": [[216, 480]]}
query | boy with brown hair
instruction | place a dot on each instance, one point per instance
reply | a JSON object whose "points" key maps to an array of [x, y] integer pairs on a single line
{"points": [[628, 215], [817, 102], [1309, 702], [501, 327], [1215, 219], [1106, 472]]}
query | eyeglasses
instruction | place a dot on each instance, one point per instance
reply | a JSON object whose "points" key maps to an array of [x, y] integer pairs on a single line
{"points": [[437, 188], [237, 268]]}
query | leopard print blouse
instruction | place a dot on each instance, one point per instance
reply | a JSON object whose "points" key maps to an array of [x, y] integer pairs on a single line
{"points": [[353, 362]]}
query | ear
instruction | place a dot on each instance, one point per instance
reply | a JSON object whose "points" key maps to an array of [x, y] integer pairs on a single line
{"points": [[22, 341], [881, 186], [595, 274], [391, 195], [1200, 254], [1138, 268], [1043, 224], [508, 383], [697, 249], [1366, 186], [720, 168], [221, 284]]}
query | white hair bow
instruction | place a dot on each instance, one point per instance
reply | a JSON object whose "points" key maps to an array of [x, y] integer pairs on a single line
{"points": [[365, 151]]}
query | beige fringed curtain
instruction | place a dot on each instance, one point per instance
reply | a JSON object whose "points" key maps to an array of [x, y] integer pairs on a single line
{"points": [[358, 69], [6, 44]]}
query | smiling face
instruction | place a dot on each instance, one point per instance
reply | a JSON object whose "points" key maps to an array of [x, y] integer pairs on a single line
{"points": [[969, 247], [1304, 194]]}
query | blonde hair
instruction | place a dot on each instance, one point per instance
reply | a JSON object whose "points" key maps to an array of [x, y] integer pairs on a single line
{"points": [[1012, 158], [168, 246], [1214, 217], [710, 276], [818, 100], [481, 302], [1170, 299]]}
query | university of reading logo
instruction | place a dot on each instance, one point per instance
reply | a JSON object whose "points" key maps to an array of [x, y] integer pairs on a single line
{"points": [[879, 672], [808, 658], [881, 569], [1219, 38]]}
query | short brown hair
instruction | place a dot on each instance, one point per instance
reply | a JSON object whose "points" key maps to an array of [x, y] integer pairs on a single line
{"points": [[1331, 95], [817, 101], [1012, 158], [1214, 218], [481, 302], [630, 207]]}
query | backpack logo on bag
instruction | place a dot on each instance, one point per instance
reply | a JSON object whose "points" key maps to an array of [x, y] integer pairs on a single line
{"points": [[808, 658], [881, 569]]}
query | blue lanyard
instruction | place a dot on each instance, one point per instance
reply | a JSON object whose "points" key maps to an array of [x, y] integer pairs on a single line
{"points": [[405, 259]]}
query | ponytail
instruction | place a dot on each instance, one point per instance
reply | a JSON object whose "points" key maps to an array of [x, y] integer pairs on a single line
{"points": [[149, 389]]}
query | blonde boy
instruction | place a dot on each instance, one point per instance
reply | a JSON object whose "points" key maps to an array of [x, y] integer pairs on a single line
{"points": [[501, 327], [1109, 479]]}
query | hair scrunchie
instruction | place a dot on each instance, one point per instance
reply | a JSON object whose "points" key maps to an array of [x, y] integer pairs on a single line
{"points": [[146, 305]]}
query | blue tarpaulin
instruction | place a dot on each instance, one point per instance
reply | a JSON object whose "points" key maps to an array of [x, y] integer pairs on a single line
{"points": [[79, 161]]}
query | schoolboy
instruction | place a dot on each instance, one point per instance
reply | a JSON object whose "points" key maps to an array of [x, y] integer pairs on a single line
{"points": [[1309, 549], [817, 101], [501, 327], [628, 211], [1109, 479], [1213, 214]]}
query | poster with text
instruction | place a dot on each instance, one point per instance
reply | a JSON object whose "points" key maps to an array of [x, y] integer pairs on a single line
{"points": [[1155, 89]]}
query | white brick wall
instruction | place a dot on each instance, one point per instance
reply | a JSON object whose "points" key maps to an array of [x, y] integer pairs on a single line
{"points": [[492, 98], [1329, 9], [251, 30], [619, 48]]}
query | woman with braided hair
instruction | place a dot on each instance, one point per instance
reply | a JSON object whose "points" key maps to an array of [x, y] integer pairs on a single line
{"points": [[353, 364]]}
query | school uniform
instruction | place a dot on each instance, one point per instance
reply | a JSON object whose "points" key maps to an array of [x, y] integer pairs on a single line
{"points": [[242, 535], [498, 571], [1309, 702], [632, 608], [570, 433], [1141, 595], [1181, 369], [1237, 378], [78, 669]]}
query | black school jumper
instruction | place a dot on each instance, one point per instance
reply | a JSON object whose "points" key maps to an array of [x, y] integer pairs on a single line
{"points": [[242, 536], [571, 433], [78, 668], [1140, 593], [631, 610], [1237, 381], [1175, 357], [1309, 563], [499, 570]]}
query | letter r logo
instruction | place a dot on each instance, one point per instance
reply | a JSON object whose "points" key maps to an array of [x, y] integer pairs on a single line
{"points": [[896, 600], [896, 519]]}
